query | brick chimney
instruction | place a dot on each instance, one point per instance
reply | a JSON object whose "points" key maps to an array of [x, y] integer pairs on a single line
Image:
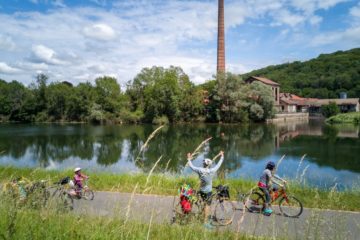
{"points": [[221, 39]]}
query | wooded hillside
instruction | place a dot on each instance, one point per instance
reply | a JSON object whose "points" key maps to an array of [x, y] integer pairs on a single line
{"points": [[323, 77]]}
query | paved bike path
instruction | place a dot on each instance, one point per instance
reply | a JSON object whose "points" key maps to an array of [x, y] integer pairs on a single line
{"points": [[312, 224]]}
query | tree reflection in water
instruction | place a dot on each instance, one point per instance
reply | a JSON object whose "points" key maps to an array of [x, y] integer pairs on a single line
{"points": [[337, 147]]}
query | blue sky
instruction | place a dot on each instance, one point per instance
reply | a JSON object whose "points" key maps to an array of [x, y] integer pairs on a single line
{"points": [[80, 40]]}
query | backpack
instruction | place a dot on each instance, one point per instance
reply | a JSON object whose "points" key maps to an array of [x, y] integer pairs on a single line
{"points": [[186, 196], [224, 191]]}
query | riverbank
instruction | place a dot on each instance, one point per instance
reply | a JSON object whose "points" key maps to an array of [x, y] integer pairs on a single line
{"points": [[163, 184], [353, 117]]}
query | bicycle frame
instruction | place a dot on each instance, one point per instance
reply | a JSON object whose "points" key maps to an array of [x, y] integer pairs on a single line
{"points": [[276, 195]]}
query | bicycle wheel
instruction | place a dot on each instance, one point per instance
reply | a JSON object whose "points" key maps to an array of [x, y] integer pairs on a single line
{"points": [[56, 193], [254, 202], [67, 201], [88, 194], [181, 217], [290, 206], [224, 213]]}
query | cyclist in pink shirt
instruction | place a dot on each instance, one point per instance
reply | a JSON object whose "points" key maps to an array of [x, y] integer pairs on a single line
{"points": [[78, 179]]}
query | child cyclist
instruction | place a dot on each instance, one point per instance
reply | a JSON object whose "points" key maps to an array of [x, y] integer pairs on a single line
{"points": [[78, 180], [266, 178]]}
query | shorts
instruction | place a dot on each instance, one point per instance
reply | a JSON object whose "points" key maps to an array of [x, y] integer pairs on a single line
{"points": [[206, 197]]}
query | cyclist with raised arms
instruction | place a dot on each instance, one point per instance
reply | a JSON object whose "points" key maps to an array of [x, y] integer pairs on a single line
{"points": [[206, 174], [266, 178]]}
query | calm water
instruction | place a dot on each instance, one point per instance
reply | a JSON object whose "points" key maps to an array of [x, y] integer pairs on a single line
{"points": [[332, 152]]}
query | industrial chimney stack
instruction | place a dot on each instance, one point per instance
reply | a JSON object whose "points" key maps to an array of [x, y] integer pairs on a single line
{"points": [[221, 39]]}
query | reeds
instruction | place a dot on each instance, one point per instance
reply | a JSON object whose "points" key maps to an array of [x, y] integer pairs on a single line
{"points": [[143, 147], [197, 149], [47, 224]]}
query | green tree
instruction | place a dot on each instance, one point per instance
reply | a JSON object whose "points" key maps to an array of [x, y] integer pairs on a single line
{"points": [[166, 93], [330, 110], [58, 99], [40, 91], [108, 94], [239, 101]]}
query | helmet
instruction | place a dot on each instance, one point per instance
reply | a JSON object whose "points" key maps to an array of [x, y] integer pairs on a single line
{"points": [[270, 165], [207, 161], [77, 169]]}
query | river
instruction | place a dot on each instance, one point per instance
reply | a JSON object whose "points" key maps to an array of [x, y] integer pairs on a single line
{"points": [[332, 152]]}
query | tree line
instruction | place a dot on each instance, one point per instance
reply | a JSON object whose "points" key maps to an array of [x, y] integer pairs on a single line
{"points": [[156, 95]]}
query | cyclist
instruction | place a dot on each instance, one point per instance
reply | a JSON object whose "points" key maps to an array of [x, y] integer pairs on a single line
{"points": [[78, 179], [206, 174], [266, 178]]}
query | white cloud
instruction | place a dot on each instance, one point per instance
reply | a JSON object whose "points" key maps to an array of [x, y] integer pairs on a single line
{"points": [[285, 17], [6, 43], [41, 53], [355, 11], [326, 4], [99, 2], [310, 6], [351, 35], [100, 32], [315, 20], [89, 42], [6, 69], [32, 66], [58, 3]]}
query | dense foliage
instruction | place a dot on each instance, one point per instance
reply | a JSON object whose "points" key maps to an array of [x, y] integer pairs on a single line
{"points": [[60, 101], [237, 101], [323, 77], [157, 95], [353, 117], [330, 110]]}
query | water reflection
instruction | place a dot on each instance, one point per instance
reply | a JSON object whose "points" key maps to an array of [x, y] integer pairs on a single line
{"points": [[332, 149]]}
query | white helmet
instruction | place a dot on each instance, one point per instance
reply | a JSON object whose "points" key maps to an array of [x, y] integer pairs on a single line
{"points": [[207, 161], [77, 169]]}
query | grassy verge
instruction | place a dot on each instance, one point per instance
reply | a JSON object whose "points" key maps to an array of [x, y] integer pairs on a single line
{"points": [[167, 185], [47, 223], [353, 117]]}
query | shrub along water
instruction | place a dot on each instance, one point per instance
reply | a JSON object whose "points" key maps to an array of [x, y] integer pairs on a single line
{"points": [[167, 184], [353, 117]]}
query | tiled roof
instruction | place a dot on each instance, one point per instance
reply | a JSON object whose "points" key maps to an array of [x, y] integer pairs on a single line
{"points": [[265, 80]]}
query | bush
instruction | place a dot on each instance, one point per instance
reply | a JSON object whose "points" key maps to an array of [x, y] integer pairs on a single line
{"points": [[161, 120], [256, 112], [330, 110], [353, 117], [132, 117], [41, 117]]}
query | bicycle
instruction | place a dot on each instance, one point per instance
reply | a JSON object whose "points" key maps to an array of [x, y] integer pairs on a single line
{"points": [[62, 193], [85, 192], [34, 194], [223, 210], [289, 205]]}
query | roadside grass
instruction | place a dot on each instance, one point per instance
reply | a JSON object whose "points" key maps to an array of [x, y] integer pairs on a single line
{"points": [[23, 222], [167, 184]]}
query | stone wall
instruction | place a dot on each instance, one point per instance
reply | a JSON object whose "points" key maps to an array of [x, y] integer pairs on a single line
{"points": [[285, 117]]}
